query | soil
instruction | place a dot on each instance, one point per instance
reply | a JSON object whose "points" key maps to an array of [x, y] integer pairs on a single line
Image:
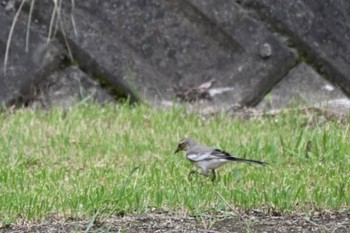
{"points": [[253, 221]]}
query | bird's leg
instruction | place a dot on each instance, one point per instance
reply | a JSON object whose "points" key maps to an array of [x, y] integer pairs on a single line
{"points": [[192, 172], [214, 175]]}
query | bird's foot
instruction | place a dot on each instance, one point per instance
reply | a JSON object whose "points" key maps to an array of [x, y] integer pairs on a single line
{"points": [[213, 178], [189, 176]]}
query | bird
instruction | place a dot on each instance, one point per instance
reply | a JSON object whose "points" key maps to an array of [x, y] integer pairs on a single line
{"points": [[208, 159]]}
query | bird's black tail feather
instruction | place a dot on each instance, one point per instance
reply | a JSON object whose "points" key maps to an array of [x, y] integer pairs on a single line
{"points": [[247, 161]]}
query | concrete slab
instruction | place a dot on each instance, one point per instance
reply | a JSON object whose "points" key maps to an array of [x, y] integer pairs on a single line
{"points": [[104, 54], [156, 45], [321, 29], [24, 67], [68, 87], [265, 59], [303, 86]]}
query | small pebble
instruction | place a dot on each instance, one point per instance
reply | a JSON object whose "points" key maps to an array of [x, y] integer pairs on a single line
{"points": [[265, 50]]}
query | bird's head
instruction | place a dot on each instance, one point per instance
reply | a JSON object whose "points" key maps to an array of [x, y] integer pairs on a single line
{"points": [[184, 144]]}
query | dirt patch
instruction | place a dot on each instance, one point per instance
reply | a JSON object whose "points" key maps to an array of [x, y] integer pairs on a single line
{"points": [[253, 221]]}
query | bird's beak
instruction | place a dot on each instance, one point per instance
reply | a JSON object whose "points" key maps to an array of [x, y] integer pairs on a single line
{"points": [[177, 150]]}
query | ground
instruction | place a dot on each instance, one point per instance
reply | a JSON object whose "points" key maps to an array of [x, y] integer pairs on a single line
{"points": [[253, 221]]}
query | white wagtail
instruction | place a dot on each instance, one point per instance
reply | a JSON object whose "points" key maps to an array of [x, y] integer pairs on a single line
{"points": [[208, 158]]}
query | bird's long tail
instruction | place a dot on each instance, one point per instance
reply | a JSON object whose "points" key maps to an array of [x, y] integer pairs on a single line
{"points": [[247, 161]]}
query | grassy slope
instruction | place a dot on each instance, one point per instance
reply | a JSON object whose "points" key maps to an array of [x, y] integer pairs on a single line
{"points": [[120, 159]]}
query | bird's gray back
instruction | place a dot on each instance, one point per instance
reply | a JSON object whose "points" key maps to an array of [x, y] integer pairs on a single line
{"points": [[199, 149]]}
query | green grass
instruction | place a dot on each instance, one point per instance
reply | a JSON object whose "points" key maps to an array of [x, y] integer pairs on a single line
{"points": [[119, 159]]}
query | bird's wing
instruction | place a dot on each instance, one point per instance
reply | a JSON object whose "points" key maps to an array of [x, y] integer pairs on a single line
{"points": [[221, 154], [198, 156], [208, 154]]}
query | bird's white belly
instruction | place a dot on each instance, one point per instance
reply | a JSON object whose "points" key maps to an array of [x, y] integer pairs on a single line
{"points": [[206, 165]]}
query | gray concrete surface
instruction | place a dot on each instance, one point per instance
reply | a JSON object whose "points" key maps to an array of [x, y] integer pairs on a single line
{"points": [[319, 29], [24, 68], [156, 51], [303, 86]]}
